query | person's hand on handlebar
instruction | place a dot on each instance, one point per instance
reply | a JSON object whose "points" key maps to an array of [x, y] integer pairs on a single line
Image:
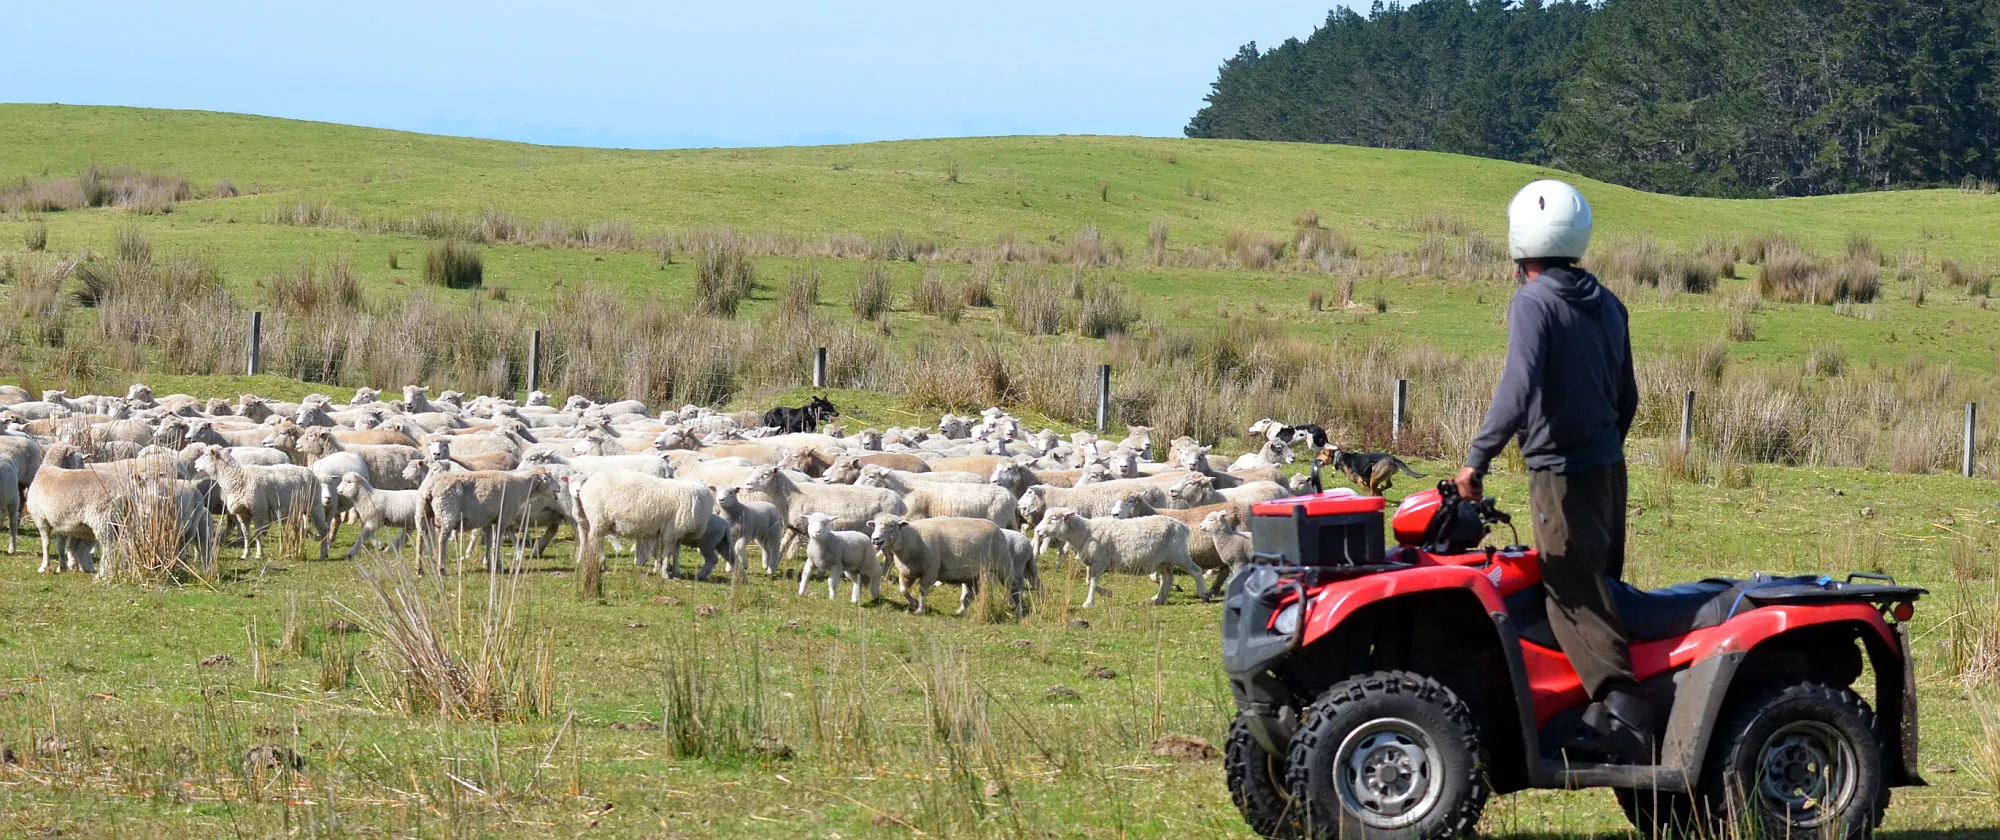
{"points": [[1468, 483]]}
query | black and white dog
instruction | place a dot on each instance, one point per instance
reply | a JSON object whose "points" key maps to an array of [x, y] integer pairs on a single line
{"points": [[805, 418], [1270, 429]]}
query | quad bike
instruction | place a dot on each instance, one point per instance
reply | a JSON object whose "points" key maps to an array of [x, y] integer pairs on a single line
{"points": [[1387, 693]]}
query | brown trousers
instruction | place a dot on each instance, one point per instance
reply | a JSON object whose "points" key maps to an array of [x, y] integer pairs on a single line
{"points": [[1580, 532]]}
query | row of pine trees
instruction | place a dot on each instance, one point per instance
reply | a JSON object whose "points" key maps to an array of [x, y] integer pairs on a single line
{"points": [[1700, 97]]}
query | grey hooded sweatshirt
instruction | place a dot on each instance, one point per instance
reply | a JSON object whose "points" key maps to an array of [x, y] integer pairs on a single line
{"points": [[1568, 390]]}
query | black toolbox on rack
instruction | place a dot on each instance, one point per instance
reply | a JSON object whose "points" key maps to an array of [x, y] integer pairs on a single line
{"points": [[1324, 529]]}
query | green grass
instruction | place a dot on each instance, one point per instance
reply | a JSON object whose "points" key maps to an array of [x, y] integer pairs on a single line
{"points": [[112, 670]]}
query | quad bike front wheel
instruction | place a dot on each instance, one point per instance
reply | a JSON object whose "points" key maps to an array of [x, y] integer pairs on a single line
{"points": [[1802, 761], [1257, 784], [1387, 755]]}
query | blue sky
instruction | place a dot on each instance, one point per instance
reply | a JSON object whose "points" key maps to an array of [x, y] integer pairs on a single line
{"points": [[653, 74]]}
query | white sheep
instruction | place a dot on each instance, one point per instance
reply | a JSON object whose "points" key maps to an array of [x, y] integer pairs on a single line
{"points": [[375, 508], [658, 513], [1201, 547], [385, 462], [1144, 544], [257, 497], [835, 553], [1274, 453], [750, 521], [72, 508], [1197, 490], [452, 502], [852, 508], [958, 550], [924, 499]]}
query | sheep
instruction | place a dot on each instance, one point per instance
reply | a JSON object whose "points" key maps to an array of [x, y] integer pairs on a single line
{"points": [[1018, 477], [472, 457], [658, 513], [72, 508], [1274, 453], [715, 544], [375, 508], [852, 508], [1147, 543], [946, 550], [470, 500], [1138, 439], [385, 462], [752, 521], [924, 499], [955, 428], [1232, 547], [837, 553], [1201, 548], [258, 496], [654, 464], [1197, 490], [21, 451]]}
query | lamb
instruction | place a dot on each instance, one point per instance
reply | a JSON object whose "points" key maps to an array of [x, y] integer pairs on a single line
{"points": [[852, 508], [471, 500], [258, 496], [1232, 547], [946, 550], [835, 553], [715, 544], [1145, 544], [752, 521], [930, 498], [375, 508], [658, 513], [1197, 490]]}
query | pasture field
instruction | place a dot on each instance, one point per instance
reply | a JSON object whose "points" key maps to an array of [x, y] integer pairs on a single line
{"points": [[130, 709], [1822, 445]]}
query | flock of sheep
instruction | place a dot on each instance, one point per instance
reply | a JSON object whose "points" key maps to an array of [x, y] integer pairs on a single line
{"points": [[99, 475]]}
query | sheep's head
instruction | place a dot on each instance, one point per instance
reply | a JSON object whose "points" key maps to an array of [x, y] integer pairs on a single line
{"points": [[1218, 522], [761, 478], [1124, 463], [415, 470], [350, 486], [726, 496], [1278, 451], [364, 395], [1125, 508], [870, 439], [676, 438], [538, 397], [873, 475], [139, 392], [1193, 487], [887, 528], [847, 470], [1032, 503], [818, 523], [1007, 475], [1057, 520], [576, 403], [1092, 474]]}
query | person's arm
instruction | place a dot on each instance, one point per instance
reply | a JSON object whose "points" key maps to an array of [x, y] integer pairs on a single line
{"points": [[1628, 384], [1527, 345]]}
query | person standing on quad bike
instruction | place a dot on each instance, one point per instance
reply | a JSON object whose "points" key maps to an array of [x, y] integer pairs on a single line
{"points": [[1568, 392]]}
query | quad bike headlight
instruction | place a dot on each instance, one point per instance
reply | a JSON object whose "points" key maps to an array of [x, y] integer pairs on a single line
{"points": [[1287, 621]]}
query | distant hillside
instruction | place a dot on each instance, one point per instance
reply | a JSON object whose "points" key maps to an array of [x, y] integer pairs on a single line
{"points": [[959, 191], [1778, 98]]}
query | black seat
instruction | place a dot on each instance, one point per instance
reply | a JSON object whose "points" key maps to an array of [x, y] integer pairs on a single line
{"points": [[1649, 615]]}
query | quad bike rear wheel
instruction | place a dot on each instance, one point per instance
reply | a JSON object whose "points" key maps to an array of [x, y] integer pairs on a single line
{"points": [[1388, 755], [1257, 784], [1801, 761]]}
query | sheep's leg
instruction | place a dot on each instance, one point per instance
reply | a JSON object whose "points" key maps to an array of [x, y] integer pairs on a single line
{"points": [[397, 544], [923, 595], [771, 547], [13, 527], [249, 540], [360, 540], [548, 536], [708, 561], [1090, 581], [833, 585], [805, 574], [42, 536], [965, 591], [1167, 585]]}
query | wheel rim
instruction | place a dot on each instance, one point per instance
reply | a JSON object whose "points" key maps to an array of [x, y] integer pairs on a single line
{"points": [[1387, 773], [1806, 773]]}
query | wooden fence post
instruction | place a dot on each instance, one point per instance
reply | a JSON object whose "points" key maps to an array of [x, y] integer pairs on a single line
{"points": [[535, 362], [1103, 396], [256, 350], [1687, 421], [1401, 406], [819, 368], [1971, 423]]}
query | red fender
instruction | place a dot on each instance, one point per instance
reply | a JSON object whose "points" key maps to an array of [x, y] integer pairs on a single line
{"points": [[1333, 604], [1555, 686]]}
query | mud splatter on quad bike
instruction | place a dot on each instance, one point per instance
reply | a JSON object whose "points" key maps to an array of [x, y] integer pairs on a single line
{"points": [[1387, 693]]}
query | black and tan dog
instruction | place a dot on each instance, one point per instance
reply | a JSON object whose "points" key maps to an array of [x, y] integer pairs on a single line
{"points": [[1372, 470]]}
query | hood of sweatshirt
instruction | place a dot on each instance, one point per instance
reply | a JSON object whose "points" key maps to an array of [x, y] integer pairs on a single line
{"points": [[1574, 285]]}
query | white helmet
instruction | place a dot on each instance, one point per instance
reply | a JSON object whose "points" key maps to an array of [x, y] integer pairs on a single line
{"points": [[1548, 219]]}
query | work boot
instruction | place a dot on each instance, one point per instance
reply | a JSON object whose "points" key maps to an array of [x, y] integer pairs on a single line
{"points": [[1623, 727]]}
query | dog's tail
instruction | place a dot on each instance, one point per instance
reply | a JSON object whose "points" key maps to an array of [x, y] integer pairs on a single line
{"points": [[1405, 467]]}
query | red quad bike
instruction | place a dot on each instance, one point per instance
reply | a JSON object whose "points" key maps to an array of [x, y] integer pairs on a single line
{"points": [[1387, 693]]}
